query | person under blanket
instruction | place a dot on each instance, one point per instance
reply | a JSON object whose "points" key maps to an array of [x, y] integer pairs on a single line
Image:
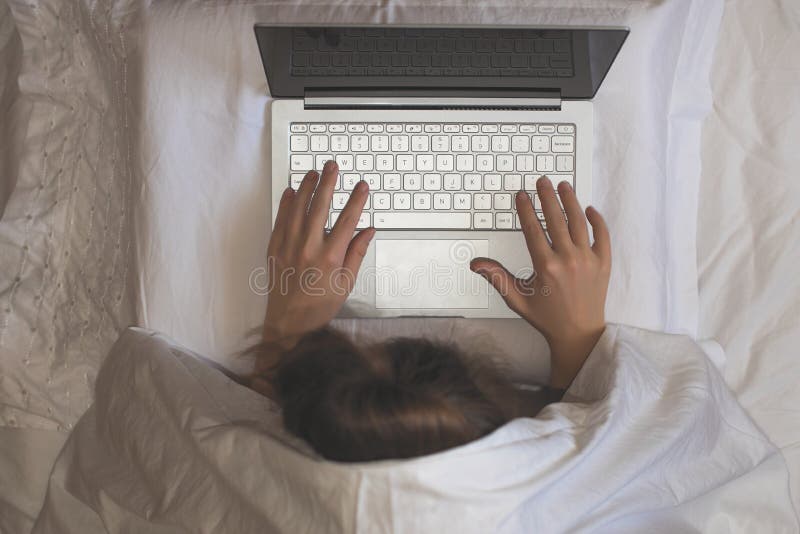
{"points": [[410, 397]]}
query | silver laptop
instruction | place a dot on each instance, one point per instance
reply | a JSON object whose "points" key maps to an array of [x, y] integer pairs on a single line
{"points": [[445, 124]]}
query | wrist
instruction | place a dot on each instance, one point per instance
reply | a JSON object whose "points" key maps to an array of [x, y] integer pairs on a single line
{"points": [[568, 354]]}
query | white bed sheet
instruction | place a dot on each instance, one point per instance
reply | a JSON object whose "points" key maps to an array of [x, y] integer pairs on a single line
{"points": [[747, 244]]}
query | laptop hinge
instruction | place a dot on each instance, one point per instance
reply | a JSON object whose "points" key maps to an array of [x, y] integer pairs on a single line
{"points": [[430, 99]]}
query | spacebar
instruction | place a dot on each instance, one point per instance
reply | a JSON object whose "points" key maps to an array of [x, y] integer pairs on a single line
{"points": [[415, 220]]}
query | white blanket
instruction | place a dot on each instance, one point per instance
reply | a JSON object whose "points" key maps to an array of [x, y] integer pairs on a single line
{"points": [[650, 434]]}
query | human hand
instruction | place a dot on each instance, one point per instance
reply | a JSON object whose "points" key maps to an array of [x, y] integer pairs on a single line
{"points": [[565, 297], [311, 273]]}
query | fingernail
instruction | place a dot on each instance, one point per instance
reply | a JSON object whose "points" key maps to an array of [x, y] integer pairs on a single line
{"points": [[566, 184], [329, 164]]}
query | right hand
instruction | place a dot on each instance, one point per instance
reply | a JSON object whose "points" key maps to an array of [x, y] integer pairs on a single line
{"points": [[565, 297]]}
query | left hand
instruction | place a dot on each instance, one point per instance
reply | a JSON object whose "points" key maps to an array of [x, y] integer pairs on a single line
{"points": [[311, 273]]}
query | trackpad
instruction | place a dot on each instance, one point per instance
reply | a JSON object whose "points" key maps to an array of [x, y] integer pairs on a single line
{"points": [[429, 274]]}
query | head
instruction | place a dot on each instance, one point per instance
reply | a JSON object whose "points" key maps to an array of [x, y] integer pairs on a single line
{"points": [[398, 399]]}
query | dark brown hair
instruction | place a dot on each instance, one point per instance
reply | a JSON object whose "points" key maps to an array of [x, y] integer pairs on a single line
{"points": [[402, 398]]}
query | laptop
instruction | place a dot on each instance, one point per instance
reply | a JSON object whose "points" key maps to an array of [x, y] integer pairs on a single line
{"points": [[445, 124]]}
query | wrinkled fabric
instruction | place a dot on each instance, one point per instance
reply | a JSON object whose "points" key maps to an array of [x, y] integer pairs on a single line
{"points": [[174, 445]]}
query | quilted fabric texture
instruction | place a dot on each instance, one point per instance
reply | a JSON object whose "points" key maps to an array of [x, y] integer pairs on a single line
{"points": [[65, 243]]}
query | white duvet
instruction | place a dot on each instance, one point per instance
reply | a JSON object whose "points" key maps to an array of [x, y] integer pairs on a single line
{"points": [[649, 434]]}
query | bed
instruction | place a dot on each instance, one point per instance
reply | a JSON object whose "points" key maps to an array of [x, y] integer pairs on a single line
{"points": [[109, 112]]}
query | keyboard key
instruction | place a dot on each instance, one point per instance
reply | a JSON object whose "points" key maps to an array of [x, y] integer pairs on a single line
{"points": [[433, 128], [460, 143], [391, 182], [295, 179], [520, 143], [444, 162], [425, 220], [401, 201], [319, 143], [302, 162], [412, 182], [500, 143], [379, 143], [365, 162], [414, 128], [384, 162], [374, 128], [381, 201], [425, 162], [441, 201], [480, 143], [462, 201], [547, 128], [566, 128], [419, 143], [405, 162], [545, 163], [564, 163], [298, 128], [349, 181], [508, 128], [482, 220], [452, 182], [355, 128], [394, 128], [470, 128], [363, 221], [482, 201], [484, 162], [336, 128], [317, 128], [530, 181], [440, 143], [399, 143], [473, 182], [432, 182], [320, 160], [563, 143], [339, 200], [527, 128], [503, 221], [422, 201], [512, 182], [505, 162], [491, 182], [524, 163], [489, 128], [465, 162], [502, 201], [345, 162], [340, 143], [540, 143], [373, 181], [359, 143], [298, 143], [452, 128]]}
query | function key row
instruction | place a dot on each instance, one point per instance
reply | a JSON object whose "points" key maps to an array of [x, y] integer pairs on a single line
{"points": [[431, 128]]}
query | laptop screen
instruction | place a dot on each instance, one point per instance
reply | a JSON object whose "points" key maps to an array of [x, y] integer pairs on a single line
{"points": [[464, 61]]}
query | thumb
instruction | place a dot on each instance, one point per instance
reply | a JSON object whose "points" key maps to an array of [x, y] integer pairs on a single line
{"points": [[503, 281]]}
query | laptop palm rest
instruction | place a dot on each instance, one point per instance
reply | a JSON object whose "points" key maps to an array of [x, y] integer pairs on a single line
{"points": [[427, 273]]}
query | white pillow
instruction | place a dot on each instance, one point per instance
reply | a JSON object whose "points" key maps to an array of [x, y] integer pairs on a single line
{"points": [[204, 221], [652, 438]]}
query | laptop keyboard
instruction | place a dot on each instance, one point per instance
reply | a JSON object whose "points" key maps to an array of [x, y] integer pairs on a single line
{"points": [[435, 176], [431, 52]]}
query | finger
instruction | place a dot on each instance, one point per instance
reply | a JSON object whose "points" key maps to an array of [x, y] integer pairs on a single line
{"points": [[535, 238], [321, 202], [279, 228], [342, 231], [356, 251], [299, 212], [602, 237], [556, 225], [576, 222], [503, 281]]}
